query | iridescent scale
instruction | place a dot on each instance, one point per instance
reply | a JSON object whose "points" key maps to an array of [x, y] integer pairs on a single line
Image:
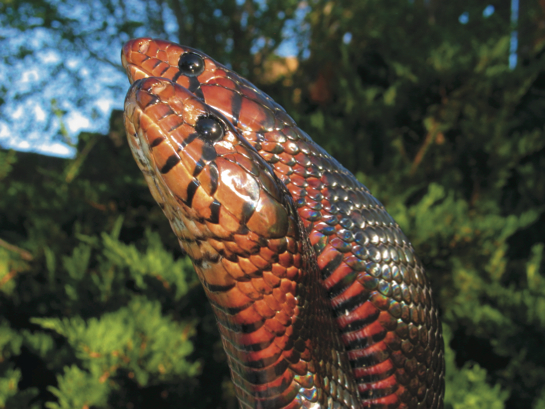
{"points": [[376, 285]]}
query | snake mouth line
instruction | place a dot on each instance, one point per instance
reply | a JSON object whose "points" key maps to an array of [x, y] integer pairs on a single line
{"points": [[134, 73]]}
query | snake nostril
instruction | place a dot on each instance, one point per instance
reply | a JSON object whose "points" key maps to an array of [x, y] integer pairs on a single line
{"points": [[143, 47], [157, 86], [153, 86]]}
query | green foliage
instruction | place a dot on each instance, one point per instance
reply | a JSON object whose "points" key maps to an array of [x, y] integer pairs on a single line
{"points": [[467, 386], [10, 344], [428, 114], [106, 346], [103, 309], [156, 261], [79, 389]]}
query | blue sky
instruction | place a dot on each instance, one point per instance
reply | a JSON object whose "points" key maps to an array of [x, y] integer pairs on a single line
{"points": [[94, 67], [95, 118]]}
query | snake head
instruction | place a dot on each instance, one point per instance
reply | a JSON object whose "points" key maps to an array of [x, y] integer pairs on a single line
{"points": [[147, 57], [200, 163], [239, 226], [241, 102], [196, 132]]}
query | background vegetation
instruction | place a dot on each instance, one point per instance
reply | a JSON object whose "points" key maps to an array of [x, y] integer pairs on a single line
{"points": [[99, 308]]}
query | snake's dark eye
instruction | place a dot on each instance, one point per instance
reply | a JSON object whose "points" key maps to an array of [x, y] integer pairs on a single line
{"points": [[191, 64], [209, 128]]}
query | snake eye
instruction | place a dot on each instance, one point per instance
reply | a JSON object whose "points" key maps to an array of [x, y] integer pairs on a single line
{"points": [[209, 128], [191, 64]]}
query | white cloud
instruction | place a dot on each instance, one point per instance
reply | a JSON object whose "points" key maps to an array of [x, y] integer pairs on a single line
{"points": [[50, 57], [76, 122], [29, 76], [46, 148], [18, 112], [55, 149], [40, 113], [105, 105]]}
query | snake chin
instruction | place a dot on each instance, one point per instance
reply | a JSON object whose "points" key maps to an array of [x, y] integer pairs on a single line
{"points": [[133, 72]]}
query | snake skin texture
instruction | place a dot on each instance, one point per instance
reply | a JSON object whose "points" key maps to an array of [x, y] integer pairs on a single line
{"points": [[375, 285], [240, 228]]}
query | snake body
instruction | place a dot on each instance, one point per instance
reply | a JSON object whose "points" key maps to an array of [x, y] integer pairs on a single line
{"points": [[284, 240]]}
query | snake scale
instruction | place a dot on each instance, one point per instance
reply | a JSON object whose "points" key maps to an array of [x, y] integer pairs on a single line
{"points": [[319, 298]]}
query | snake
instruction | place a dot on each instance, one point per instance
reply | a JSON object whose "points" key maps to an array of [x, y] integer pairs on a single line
{"points": [[319, 297]]}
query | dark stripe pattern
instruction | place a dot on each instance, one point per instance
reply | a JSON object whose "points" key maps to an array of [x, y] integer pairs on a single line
{"points": [[238, 224], [377, 287]]}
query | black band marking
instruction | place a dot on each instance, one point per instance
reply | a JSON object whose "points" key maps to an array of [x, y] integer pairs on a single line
{"points": [[170, 163], [156, 141], [208, 152], [248, 209], [195, 87], [215, 212], [332, 265], [162, 72], [214, 177], [236, 104], [191, 189], [153, 100], [351, 304], [343, 284], [359, 324], [198, 167], [176, 76], [189, 139], [218, 288], [169, 112]]}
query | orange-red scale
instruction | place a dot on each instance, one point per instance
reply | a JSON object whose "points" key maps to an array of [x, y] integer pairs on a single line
{"points": [[253, 261], [349, 219]]}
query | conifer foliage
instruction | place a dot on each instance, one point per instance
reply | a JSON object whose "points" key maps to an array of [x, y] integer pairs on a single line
{"points": [[97, 311], [99, 307], [428, 114]]}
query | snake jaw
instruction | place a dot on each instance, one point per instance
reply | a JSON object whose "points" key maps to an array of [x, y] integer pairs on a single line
{"points": [[134, 73], [133, 54]]}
